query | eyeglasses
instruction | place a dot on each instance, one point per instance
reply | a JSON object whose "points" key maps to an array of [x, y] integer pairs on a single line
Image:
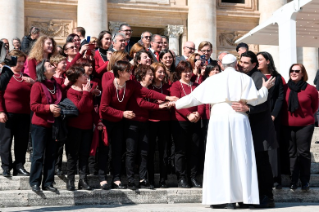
{"points": [[190, 48], [147, 37], [128, 30], [206, 51], [296, 71], [71, 47]]}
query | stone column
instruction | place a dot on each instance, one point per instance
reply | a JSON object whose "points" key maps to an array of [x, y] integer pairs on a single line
{"points": [[173, 32], [267, 8], [12, 19], [92, 15], [202, 22], [308, 56], [114, 27]]}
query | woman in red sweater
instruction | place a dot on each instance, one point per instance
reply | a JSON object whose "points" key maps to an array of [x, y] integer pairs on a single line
{"points": [[198, 69], [43, 49], [299, 107], [15, 119], [115, 97], [104, 41], [185, 129], [45, 96], [159, 127], [72, 53]]}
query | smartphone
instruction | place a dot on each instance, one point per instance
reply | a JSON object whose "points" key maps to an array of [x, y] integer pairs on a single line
{"points": [[88, 39], [203, 59]]}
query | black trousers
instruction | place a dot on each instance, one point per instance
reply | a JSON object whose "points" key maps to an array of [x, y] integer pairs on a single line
{"points": [[264, 174], [136, 149], [115, 131], [78, 148], [299, 141], [162, 131], [202, 145], [187, 139], [17, 126], [275, 154], [43, 156], [59, 154]]}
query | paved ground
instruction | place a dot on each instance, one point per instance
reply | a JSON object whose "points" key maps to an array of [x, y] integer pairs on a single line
{"points": [[280, 207]]}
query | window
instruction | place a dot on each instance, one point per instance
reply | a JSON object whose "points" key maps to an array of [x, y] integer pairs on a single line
{"points": [[234, 1]]}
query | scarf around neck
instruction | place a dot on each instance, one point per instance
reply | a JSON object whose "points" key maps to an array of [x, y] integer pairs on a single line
{"points": [[295, 88]]}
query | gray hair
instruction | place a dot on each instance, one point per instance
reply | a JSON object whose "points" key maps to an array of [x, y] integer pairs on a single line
{"points": [[34, 30], [3, 39], [117, 35], [40, 69], [163, 36], [153, 37], [231, 65], [142, 35], [16, 38], [124, 24]]}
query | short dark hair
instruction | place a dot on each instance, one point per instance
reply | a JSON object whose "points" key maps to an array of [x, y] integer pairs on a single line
{"points": [[121, 65], [81, 30], [120, 28], [84, 62], [40, 69], [242, 45], [71, 37], [182, 66], [34, 30], [74, 73], [163, 36], [139, 54], [141, 71], [100, 37], [251, 55]]}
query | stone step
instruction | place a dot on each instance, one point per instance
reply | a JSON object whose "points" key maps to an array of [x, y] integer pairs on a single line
{"points": [[18, 198], [22, 183]]}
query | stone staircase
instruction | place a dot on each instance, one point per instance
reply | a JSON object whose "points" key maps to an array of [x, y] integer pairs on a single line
{"points": [[15, 191]]}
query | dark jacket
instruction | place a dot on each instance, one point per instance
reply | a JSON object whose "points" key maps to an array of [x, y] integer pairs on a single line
{"points": [[27, 43], [316, 80], [277, 93], [59, 128], [262, 126], [5, 77], [84, 42]]}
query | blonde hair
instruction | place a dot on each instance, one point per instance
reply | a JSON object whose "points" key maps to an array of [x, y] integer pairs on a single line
{"points": [[136, 48], [204, 43], [116, 56], [37, 49], [191, 59], [57, 59], [157, 65]]}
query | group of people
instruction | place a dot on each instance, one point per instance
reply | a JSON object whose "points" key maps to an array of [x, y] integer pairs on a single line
{"points": [[110, 102]]}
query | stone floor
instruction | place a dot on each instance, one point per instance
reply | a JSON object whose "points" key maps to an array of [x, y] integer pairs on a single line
{"points": [[187, 207]]}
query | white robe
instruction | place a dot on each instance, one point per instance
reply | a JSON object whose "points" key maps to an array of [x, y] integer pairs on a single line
{"points": [[230, 173]]}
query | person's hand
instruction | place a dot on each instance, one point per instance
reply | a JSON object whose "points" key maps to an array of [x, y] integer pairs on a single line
{"points": [[171, 104], [3, 117], [84, 48], [269, 83], [87, 87], [171, 98], [55, 108], [240, 107], [66, 81], [100, 126], [163, 105], [96, 92], [192, 117], [128, 114], [28, 80], [273, 118], [198, 63], [203, 71], [197, 117]]}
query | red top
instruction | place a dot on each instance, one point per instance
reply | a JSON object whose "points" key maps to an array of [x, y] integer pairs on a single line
{"points": [[69, 64], [107, 76], [100, 64], [16, 97], [205, 111], [197, 79], [308, 105], [39, 104], [83, 100], [112, 109], [161, 114], [32, 64], [180, 90]]}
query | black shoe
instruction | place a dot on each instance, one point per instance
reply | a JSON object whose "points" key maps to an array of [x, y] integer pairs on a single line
{"points": [[305, 187], [50, 188], [152, 186], [183, 183], [6, 173], [70, 185], [224, 206], [195, 183], [83, 184], [144, 184], [35, 188], [58, 172], [277, 186], [131, 185], [20, 172], [119, 186], [162, 184], [105, 186], [293, 187], [266, 202], [243, 205]]}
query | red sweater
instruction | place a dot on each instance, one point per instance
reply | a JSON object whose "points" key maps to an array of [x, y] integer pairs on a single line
{"points": [[205, 111], [84, 102], [107, 76], [197, 79], [308, 105], [111, 109], [32, 64], [39, 105], [16, 97], [69, 64], [177, 90], [100, 64], [161, 114]]}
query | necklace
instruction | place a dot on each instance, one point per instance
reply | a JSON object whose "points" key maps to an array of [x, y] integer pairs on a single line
{"points": [[117, 86], [184, 89], [18, 78], [52, 91], [160, 87]]}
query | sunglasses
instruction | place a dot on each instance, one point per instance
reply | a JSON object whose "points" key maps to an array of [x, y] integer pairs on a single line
{"points": [[296, 71], [71, 47], [147, 37]]}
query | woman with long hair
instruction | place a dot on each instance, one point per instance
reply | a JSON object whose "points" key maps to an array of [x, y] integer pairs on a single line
{"points": [[104, 42], [167, 58], [198, 68]]}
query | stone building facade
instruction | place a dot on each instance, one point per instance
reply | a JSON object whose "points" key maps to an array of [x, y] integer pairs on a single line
{"points": [[219, 21]]}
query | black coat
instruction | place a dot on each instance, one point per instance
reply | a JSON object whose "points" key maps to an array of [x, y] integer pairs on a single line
{"points": [[27, 43], [5, 77], [262, 126], [316, 80], [277, 93]]}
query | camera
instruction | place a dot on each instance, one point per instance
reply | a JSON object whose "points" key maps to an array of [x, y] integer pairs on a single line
{"points": [[5, 58]]}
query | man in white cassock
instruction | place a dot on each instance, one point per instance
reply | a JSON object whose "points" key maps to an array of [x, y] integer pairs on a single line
{"points": [[230, 174]]}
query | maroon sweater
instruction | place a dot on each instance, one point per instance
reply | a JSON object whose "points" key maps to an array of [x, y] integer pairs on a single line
{"points": [[111, 109], [204, 110], [177, 90], [308, 105], [39, 104], [161, 114], [16, 97], [32, 64], [100, 64], [83, 100], [69, 64], [107, 76]]}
